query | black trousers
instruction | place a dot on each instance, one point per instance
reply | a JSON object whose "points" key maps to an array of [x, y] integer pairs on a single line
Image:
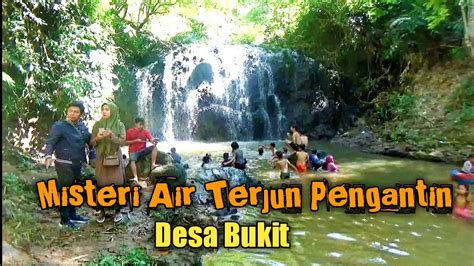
{"points": [[68, 174]]}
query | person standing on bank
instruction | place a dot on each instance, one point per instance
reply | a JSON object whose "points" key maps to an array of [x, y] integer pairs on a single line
{"points": [[68, 139], [108, 134]]}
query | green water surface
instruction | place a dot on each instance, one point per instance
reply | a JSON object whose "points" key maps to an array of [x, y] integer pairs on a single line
{"points": [[335, 237]]}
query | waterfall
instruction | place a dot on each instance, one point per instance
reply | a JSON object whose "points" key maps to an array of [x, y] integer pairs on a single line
{"points": [[146, 80], [213, 92]]}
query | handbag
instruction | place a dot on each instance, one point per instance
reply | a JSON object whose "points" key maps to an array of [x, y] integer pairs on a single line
{"points": [[111, 160]]}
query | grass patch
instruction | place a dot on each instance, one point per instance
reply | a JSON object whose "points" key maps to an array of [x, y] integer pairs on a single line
{"points": [[20, 217], [461, 107], [434, 112], [127, 256], [165, 216]]}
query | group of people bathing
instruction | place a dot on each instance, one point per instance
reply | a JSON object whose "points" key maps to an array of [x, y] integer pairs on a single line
{"points": [[237, 160], [74, 147], [318, 161]]}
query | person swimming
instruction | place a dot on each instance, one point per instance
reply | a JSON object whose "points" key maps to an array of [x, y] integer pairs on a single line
{"points": [[271, 147], [206, 160]]}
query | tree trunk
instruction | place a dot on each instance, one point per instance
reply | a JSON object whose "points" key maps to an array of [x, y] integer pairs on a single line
{"points": [[467, 7]]}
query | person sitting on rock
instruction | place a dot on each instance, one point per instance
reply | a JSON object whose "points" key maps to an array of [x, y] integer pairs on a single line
{"points": [[227, 160], [137, 138], [468, 165], [304, 138], [238, 158], [295, 138], [270, 147], [176, 157]]}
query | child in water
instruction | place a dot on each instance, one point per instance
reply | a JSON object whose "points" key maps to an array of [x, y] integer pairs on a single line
{"points": [[283, 164], [460, 200], [272, 147], [468, 165], [285, 153], [331, 164], [227, 160]]}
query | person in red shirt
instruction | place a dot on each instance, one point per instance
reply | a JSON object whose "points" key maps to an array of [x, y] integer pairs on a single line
{"points": [[136, 140]]}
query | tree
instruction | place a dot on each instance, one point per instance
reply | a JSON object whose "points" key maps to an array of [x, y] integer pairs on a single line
{"points": [[467, 9], [45, 63], [146, 10]]}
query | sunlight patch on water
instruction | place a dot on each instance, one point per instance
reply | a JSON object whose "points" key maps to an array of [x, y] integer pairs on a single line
{"points": [[334, 254], [191, 147], [339, 236]]}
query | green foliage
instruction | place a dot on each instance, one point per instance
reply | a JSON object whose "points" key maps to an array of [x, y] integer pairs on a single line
{"points": [[45, 61], [128, 256], [16, 186], [197, 33], [165, 216], [395, 106], [461, 108], [371, 41], [126, 97], [19, 216]]}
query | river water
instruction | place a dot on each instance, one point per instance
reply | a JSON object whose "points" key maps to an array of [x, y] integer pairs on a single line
{"points": [[335, 237]]}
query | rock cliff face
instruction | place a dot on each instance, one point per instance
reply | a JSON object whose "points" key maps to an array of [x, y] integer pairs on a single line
{"points": [[241, 92]]}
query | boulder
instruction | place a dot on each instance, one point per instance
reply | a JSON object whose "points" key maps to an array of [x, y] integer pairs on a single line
{"points": [[235, 177], [322, 132], [173, 174], [168, 171]]}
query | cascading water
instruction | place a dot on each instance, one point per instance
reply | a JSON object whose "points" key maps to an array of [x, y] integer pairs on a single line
{"points": [[146, 80], [210, 85], [236, 92]]}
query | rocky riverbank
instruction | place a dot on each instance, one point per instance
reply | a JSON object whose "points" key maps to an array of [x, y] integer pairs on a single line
{"points": [[366, 140], [429, 117]]}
